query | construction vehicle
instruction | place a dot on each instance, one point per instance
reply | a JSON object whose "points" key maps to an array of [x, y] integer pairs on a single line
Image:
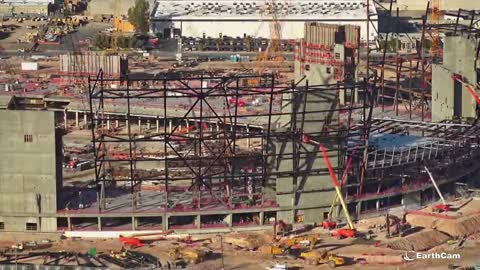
{"points": [[339, 233], [307, 241], [328, 224], [323, 257], [190, 255], [442, 207], [131, 241]]}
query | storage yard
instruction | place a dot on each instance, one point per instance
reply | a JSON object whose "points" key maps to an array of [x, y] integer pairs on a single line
{"points": [[239, 135]]}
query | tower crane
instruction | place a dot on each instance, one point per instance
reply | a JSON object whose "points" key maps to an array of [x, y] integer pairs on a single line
{"points": [[273, 50], [435, 12]]}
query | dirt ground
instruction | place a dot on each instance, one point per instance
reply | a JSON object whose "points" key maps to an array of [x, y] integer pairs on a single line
{"points": [[235, 258]]}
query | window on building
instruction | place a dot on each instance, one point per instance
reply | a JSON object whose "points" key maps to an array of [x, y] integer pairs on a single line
{"points": [[31, 226], [2, 226], [329, 70], [27, 138], [337, 55]]}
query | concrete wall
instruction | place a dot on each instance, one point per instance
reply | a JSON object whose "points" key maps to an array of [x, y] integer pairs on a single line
{"points": [[310, 193], [29, 171], [458, 58]]}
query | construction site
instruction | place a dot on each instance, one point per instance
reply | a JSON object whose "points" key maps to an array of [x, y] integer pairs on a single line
{"points": [[335, 152]]}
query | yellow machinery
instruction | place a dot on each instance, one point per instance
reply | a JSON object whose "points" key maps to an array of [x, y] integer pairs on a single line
{"points": [[284, 247], [189, 255], [435, 13], [310, 239], [323, 257]]}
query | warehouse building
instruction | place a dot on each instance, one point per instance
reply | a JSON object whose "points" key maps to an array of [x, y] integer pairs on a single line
{"points": [[38, 7], [253, 18]]}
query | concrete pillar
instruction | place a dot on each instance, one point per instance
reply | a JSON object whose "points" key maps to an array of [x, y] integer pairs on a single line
{"points": [[85, 124], [116, 123], [139, 124], [76, 120], [262, 217], [377, 204], [65, 118], [248, 136], [187, 123], [126, 121], [157, 125], [69, 223], [358, 208], [134, 223], [198, 222], [229, 220], [108, 122], [165, 223], [148, 124], [99, 220], [170, 124]]}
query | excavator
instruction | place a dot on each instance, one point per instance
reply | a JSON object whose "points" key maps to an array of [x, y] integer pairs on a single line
{"points": [[302, 247], [322, 257]]}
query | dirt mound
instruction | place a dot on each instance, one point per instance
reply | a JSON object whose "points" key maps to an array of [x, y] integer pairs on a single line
{"points": [[454, 227], [421, 241]]}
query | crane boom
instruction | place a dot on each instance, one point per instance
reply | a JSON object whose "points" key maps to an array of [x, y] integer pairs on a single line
{"points": [[435, 185], [337, 187]]}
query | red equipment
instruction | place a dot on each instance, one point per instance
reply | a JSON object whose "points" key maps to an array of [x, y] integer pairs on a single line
{"points": [[328, 225], [344, 233], [131, 241], [240, 103]]}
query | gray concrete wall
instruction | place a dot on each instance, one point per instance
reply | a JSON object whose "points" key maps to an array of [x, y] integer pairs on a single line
{"points": [[458, 58], [311, 194], [442, 93], [28, 169]]}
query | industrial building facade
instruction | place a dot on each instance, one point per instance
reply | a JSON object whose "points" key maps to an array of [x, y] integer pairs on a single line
{"points": [[31, 170], [253, 18]]}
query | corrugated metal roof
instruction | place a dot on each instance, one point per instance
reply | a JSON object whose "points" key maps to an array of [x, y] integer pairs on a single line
{"points": [[285, 9]]}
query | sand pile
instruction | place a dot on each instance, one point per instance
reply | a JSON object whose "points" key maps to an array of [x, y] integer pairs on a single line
{"points": [[454, 227], [420, 241]]}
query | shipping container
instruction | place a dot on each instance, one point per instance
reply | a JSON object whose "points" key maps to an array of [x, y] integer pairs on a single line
{"points": [[29, 66], [85, 64], [330, 34]]}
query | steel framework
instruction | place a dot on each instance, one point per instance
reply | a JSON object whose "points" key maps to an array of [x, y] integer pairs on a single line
{"points": [[214, 144]]}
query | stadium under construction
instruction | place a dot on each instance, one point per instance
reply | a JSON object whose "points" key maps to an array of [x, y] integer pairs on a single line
{"points": [[219, 152]]}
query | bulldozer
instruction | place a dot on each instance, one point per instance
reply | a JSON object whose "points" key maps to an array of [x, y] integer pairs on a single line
{"points": [[189, 255], [291, 247], [323, 257]]}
